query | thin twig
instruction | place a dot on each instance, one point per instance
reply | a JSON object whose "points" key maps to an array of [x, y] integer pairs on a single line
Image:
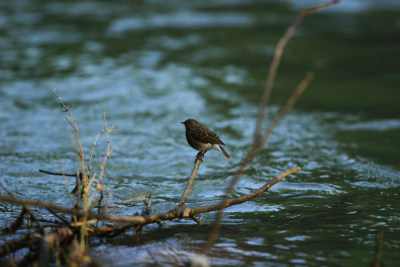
{"points": [[128, 200], [103, 165], [78, 190], [64, 220], [248, 197], [195, 219], [57, 173], [107, 130], [146, 207], [377, 260], [288, 106], [273, 68], [99, 186], [75, 127], [189, 185], [109, 196]]}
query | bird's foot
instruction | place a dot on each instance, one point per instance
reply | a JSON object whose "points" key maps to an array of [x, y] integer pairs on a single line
{"points": [[200, 156]]}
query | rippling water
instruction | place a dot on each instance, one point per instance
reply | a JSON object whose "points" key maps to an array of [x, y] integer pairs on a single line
{"points": [[152, 64]]}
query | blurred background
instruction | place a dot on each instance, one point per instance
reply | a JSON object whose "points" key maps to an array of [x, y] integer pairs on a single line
{"points": [[152, 64]]}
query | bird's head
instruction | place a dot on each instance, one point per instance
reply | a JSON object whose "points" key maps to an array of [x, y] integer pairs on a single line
{"points": [[190, 122]]}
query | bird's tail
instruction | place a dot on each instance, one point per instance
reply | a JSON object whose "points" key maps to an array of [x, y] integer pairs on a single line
{"points": [[220, 148]]}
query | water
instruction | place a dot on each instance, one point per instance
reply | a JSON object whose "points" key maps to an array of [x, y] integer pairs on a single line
{"points": [[152, 64]]}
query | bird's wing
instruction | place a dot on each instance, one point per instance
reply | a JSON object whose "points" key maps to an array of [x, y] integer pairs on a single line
{"points": [[206, 136]]}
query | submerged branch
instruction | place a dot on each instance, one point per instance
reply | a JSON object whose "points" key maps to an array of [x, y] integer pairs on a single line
{"points": [[73, 211], [155, 218]]}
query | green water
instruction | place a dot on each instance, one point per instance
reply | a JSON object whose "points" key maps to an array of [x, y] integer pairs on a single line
{"points": [[153, 64]]}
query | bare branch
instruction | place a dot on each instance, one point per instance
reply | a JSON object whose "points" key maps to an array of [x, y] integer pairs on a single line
{"points": [[73, 124], [288, 106], [155, 218], [259, 139], [189, 185], [57, 173], [73, 211], [273, 68]]}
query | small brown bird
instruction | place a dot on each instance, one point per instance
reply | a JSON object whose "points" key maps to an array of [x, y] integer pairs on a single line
{"points": [[201, 138]]}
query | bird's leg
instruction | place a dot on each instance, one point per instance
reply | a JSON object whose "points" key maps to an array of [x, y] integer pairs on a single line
{"points": [[200, 156]]}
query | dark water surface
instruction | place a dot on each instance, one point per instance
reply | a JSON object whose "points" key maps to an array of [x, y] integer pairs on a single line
{"points": [[152, 64]]}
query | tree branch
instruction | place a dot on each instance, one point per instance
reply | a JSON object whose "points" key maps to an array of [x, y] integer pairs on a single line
{"points": [[198, 161], [259, 139]]}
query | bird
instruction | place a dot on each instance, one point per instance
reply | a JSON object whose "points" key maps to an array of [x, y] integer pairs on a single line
{"points": [[202, 139]]}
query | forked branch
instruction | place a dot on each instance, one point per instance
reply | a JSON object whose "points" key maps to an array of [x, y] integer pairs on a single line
{"points": [[260, 139]]}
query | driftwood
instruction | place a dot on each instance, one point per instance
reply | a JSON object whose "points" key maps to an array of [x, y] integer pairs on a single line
{"points": [[144, 220], [55, 235], [66, 237]]}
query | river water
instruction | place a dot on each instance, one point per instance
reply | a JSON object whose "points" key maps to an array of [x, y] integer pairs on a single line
{"points": [[152, 64]]}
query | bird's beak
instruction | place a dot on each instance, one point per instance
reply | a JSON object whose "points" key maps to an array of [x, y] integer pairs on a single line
{"points": [[182, 122]]}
